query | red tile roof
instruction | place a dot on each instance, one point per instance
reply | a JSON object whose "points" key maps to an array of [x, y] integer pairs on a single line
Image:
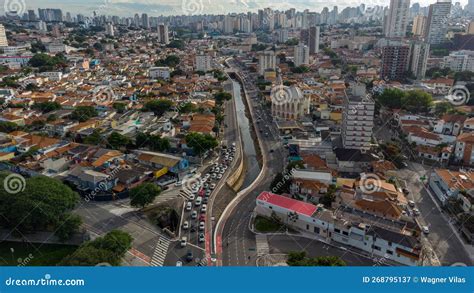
{"points": [[294, 205]]}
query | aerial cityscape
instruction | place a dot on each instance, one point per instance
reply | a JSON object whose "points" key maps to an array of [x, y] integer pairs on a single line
{"points": [[236, 133]]}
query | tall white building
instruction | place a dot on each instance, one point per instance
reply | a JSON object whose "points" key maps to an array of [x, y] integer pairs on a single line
{"points": [[419, 58], [437, 23], [266, 61], [282, 35], [301, 55], [396, 21], [203, 62], [228, 24], [109, 29], [419, 25], [3, 37], [163, 34], [313, 39], [358, 122]]}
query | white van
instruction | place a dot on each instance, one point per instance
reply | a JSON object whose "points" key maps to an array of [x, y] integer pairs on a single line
{"points": [[189, 206], [198, 201]]}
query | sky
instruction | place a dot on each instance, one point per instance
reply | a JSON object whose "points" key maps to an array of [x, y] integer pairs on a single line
{"points": [[180, 7]]}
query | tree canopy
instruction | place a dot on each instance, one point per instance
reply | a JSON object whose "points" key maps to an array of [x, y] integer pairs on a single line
{"points": [[413, 101], [201, 143], [83, 113], [144, 194], [159, 107], [37, 204], [109, 249], [299, 259]]}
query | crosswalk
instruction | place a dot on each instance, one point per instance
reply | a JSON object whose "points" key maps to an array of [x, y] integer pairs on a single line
{"points": [[161, 250], [185, 193], [166, 196], [262, 245]]}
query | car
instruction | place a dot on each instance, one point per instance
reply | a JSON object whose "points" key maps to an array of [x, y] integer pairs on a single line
{"points": [[213, 186], [184, 242], [204, 200], [179, 183], [416, 212], [214, 176], [193, 229], [222, 171], [234, 144], [194, 215], [198, 201], [219, 176], [189, 206], [186, 225], [179, 263], [201, 237], [203, 208], [202, 226], [189, 256], [426, 230], [405, 191], [411, 203]]}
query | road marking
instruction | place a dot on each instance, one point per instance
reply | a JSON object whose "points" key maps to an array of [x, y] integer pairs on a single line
{"points": [[161, 250]]}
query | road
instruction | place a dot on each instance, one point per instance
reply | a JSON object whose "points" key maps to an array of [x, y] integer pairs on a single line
{"points": [[238, 242], [448, 247]]}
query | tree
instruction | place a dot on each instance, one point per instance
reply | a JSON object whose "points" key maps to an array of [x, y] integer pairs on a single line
{"points": [[144, 194], [187, 107], [34, 204], [159, 107], [329, 197], [83, 113], [120, 107], [416, 101], [201, 143], [221, 97], [300, 259], [281, 183], [47, 107], [171, 61], [108, 249], [7, 127], [68, 226], [94, 139], [118, 141], [391, 98]]}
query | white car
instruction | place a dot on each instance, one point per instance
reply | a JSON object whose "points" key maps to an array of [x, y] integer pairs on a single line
{"points": [[189, 206], [202, 226], [186, 225], [411, 203], [184, 242], [204, 208], [179, 263], [192, 197], [219, 176], [213, 186], [416, 212], [426, 230], [198, 201]]}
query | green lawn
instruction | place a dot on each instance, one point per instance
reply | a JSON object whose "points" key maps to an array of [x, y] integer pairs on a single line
{"points": [[33, 254], [266, 225]]}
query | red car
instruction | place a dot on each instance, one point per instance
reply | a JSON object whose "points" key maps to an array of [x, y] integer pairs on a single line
{"points": [[202, 218]]}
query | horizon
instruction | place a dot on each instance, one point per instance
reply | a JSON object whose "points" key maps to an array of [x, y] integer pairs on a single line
{"points": [[127, 8]]}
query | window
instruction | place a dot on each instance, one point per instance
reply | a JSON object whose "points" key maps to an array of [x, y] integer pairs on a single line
{"points": [[390, 252], [337, 230], [307, 227], [376, 247]]}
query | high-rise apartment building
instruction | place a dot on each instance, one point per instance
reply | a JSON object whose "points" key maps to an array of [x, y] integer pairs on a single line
{"points": [[301, 55], [358, 122], [437, 23], [313, 39], [3, 37], [163, 34], [396, 21], [419, 25], [266, 61], [395, 57], [203, 62]]}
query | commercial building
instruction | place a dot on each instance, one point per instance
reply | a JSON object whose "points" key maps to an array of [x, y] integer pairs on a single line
{"points": [[159, 73], [3, 37], [391, 244], [459, 61]]}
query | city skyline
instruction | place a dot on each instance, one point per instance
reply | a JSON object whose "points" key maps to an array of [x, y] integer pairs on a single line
{"points": [[191, 7]]}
